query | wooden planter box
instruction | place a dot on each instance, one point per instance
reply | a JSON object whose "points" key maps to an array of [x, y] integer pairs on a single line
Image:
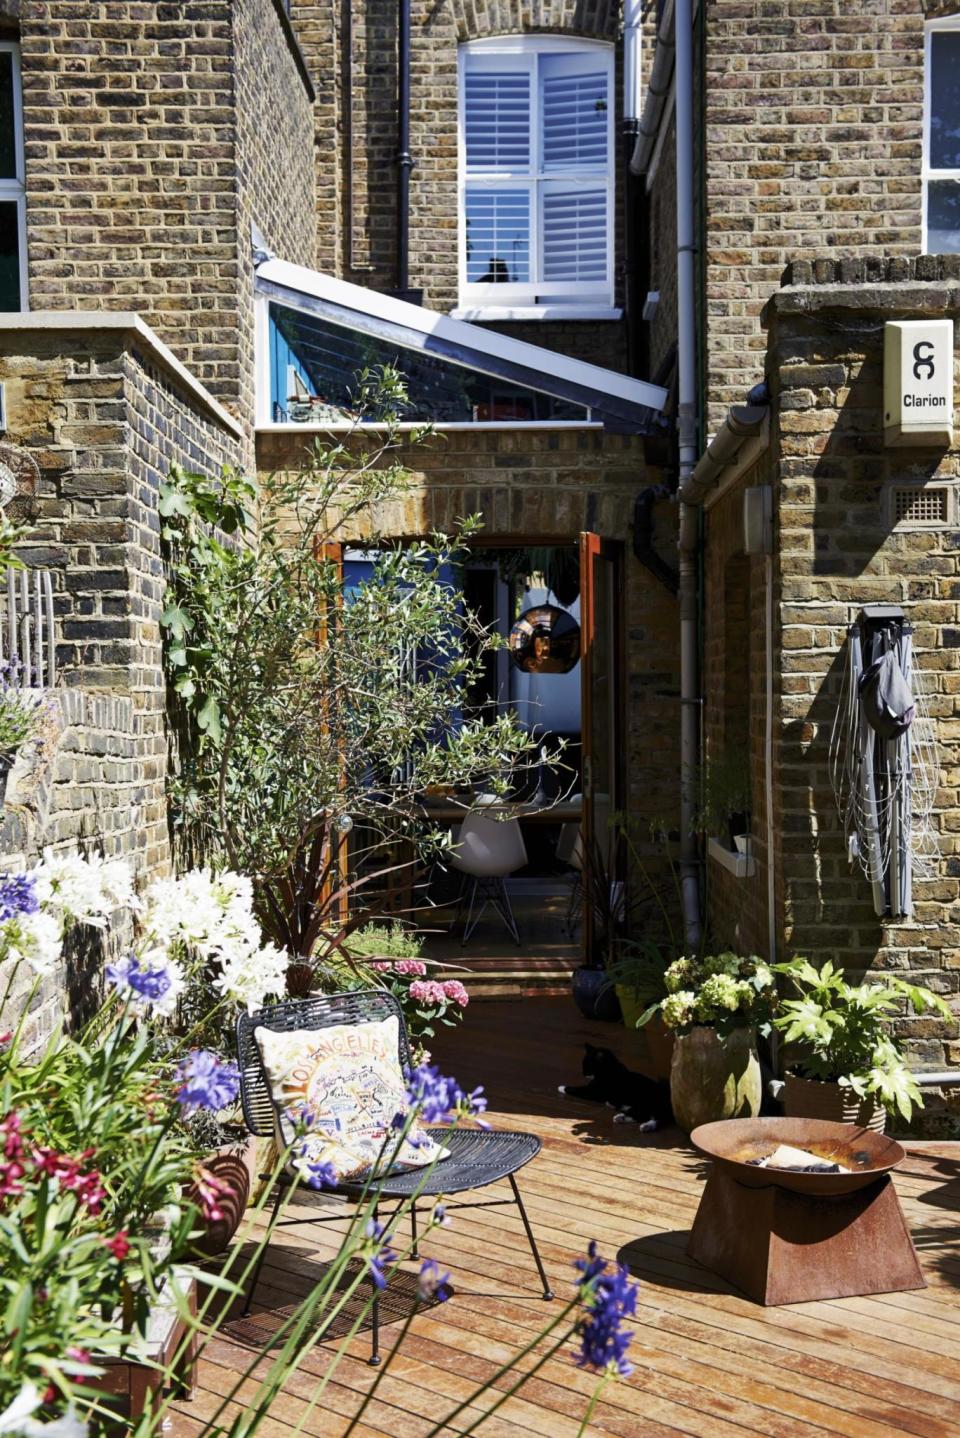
{"points": [[134, 1382]]}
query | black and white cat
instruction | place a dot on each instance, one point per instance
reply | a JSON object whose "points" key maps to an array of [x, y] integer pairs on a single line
{"points": [[636, 1098]]}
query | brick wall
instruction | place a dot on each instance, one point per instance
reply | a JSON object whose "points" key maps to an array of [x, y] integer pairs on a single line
{"points": [[837, 551], [104, 415], [813, 131], [556, 483], [353, 51], [141, 122]]}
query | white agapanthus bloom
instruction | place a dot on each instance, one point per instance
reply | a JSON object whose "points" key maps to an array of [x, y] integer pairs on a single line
{"points": [[37, 939], [81, 890], [211, 916], [251, 976], [17, 1420]]}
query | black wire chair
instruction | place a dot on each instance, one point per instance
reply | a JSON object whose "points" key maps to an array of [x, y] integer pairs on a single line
{"points": [[476, 1158]]}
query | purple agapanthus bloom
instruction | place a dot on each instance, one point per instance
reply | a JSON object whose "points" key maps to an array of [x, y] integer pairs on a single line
{"points": [[433, 1285], [320, 1173], [146, 983], [207, 1081], [18, 895], [608, 1298], [439, 1099], [378, 1253]]}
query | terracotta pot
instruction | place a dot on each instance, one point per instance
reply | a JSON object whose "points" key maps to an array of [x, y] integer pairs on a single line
{"points": [[233, 1165], [812, 1098], [714, 1078]]}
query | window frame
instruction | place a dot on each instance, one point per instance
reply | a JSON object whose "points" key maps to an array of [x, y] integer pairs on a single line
{"points": [[584, 299], [928, 173]]}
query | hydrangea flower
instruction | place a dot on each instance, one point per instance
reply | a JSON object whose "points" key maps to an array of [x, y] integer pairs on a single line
{"points": [[427, 991], [720, 991], [18, 895], [456, 993], [607, 1298], [150, 982], [675, 975], [207, 1081], [433, 1285], [439, 1099], [677, 1009]]}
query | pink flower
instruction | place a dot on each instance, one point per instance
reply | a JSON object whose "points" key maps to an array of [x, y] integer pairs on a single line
{"points": [[456, 993], [382, 966], [412, 968], [6, 1038], [427, 991], [209, 1190], [119, 1245]]}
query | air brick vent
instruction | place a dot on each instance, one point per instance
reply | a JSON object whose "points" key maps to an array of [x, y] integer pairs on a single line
{"points": [[920, 506]]}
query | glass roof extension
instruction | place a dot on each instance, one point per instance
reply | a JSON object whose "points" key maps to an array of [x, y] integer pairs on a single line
{"points": [[316, 334]]}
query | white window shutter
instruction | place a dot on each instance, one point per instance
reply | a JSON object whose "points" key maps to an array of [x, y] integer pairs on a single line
{"points": [[575, 115], [497, 120], [575, 235]]}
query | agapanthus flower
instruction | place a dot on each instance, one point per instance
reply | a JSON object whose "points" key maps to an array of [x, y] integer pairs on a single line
{"points": [[318, 1173], [377, 1252], [84, 890], [456, 993], [433, 1285], [18, 895], [35, 939], [17, 1421], [119, 1244], [439, 1099], [149, 982], [608, 1297], [207, 1081]]}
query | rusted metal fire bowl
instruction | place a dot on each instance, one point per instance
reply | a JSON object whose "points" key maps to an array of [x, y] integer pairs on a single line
{"points": [[865, 1155]]}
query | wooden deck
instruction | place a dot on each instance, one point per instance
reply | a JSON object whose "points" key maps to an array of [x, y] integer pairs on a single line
{"points": [[708, 1362]]}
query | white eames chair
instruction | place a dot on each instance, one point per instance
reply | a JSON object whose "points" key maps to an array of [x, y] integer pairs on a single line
{"points": [[486, 852]]}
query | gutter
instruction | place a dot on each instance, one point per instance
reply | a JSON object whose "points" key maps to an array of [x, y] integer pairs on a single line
{"points": [[658, 89], [743, 424]]}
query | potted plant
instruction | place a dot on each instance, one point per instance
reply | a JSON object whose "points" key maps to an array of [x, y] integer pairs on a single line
{"points": [[842, 1062], [726, 798], [392, 957], [21, 716], [715, 1006], [637, 975], [223, 1178], [604, 894]]}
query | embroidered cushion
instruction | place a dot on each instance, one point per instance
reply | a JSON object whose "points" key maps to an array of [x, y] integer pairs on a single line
{"points": [[348, 1079]]}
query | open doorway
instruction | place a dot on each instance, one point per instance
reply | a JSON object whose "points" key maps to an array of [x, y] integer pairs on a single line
{"points": [[562, 811]]}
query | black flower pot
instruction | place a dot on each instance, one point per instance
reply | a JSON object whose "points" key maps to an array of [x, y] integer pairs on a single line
{"points": [[595, 996]]}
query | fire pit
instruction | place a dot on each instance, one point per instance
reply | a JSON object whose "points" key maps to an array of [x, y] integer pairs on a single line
{"points": [[801, 1209]]}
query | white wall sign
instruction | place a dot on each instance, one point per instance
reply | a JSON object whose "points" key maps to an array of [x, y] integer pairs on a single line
{"points": [[918, 382]]}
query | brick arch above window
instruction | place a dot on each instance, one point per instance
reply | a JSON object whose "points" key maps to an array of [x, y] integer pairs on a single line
{"points": [[484, 19]]}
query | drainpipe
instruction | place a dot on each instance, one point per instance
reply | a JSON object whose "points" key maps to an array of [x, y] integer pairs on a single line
{"points": [[404, 160], [689, 542]]}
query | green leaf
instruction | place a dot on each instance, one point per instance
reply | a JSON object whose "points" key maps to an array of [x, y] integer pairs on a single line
{"points": [[177, 621], [208, 718]]}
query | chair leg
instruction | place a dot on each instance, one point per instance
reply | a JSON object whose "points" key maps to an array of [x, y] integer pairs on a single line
{"points": [[459, 906], [261, 1256], [472, 920], [415, 1248], [547, 1290], [505, 909]]}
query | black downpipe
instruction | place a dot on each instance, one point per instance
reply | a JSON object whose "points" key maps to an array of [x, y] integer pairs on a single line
{"points": [[404, 158], [643, 536]]}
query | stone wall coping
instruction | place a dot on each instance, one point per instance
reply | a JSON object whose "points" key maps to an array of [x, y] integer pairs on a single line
{"points": [[300, 60], [930, 297], [438, 426], [127, 321]]}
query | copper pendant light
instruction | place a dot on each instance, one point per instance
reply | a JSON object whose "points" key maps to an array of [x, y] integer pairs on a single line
{"points": [[545, 640]]}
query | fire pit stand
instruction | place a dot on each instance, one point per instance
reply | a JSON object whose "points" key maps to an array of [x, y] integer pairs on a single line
{"points": [[783, 1236]]}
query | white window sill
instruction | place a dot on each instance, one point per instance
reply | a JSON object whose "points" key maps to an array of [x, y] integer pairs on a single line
{"points": [[741, 866], [535, 312]]}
